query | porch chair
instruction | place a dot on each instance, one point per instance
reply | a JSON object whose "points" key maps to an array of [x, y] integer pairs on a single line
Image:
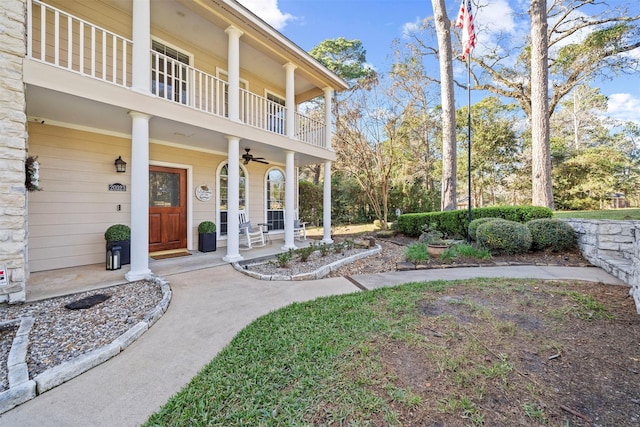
{"points": [[254, 237], [299, 228]]}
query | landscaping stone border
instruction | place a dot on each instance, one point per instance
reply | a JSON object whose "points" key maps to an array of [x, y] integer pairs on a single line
{"points": [[22, 389], [613, 246], [313, 275]]}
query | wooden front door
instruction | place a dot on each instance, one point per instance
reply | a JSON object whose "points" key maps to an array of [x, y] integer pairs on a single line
{"points": [[167, 208]]}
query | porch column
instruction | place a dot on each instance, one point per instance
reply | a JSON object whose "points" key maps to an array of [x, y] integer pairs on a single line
{"points": [[233, 201], [233, 70], [139, 197], [141, 54], [289, 201], [326, 204], [326, 195], [290, 101]]}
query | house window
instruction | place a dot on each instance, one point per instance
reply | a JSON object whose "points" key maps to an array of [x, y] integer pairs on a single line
{"points": [[275, 113], [275, 199], [169, 72], [223, 186]]}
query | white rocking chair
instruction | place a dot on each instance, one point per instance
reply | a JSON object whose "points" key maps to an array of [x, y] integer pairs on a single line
{"points": [[299, 228], [254, 237]]}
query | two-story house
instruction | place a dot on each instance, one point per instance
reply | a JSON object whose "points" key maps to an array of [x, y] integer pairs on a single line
{"points": [[178, 90]]}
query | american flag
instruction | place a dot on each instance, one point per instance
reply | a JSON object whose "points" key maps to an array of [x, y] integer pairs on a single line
{"points": [[465, 21]]}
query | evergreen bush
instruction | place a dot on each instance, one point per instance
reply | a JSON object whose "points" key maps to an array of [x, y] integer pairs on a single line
{"points": [[548, 233], [504, 236], [474, 224], [117, 233], [454, 223], [206, 227]]}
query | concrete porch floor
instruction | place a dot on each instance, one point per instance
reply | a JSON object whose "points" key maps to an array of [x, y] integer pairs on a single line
{"points": [[65, 281]]}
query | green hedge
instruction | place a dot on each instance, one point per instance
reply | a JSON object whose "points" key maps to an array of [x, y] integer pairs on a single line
{"points": [[504, 236], [454, 223]]}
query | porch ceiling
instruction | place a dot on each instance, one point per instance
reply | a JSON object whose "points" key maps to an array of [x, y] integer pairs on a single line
{"points": [[57, 108]]}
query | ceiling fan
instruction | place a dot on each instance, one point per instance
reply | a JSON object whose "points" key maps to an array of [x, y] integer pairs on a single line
{"points": [[248, 157]]}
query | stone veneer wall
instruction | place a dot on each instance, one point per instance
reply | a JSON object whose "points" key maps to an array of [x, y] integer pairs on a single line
{"points": [[13, 149], [614, 246]]}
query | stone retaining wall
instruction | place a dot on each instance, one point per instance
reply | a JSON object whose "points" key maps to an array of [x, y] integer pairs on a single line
{"points": [[13, 151], [614, 246]]}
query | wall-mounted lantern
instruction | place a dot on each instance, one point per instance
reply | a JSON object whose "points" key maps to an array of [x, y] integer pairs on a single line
{"points": [[121, 165]]}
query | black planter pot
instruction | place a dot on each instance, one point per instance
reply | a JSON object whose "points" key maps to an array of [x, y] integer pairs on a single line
{"points": [[207, 242], [125, 252]]}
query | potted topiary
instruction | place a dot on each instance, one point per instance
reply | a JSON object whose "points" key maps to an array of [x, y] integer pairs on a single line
{"points": [[119, 235], [207, 236], [433, 237]]}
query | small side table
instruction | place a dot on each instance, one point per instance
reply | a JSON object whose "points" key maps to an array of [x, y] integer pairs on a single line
{"points": [[265, 232]]}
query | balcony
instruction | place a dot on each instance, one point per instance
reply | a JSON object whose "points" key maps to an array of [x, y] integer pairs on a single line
{"points": [[67, 42]]}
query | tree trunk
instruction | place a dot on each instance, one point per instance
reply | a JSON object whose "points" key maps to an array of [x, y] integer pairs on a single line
{"points": [[542, 190], [443, 30]]}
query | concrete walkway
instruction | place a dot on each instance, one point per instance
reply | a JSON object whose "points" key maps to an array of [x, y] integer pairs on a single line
{"points": [[209, 307]]}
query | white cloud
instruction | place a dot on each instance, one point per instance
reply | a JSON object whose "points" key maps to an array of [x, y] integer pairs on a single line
{"points": [[268, 11], [412, 27], [494, 17], [624, 106]]}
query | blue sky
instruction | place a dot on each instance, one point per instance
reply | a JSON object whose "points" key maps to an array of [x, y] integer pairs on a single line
{"points": [[378, 22]]}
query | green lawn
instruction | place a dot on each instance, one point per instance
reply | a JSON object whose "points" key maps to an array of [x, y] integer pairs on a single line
{"points": [[320, 362], [601, 214]]}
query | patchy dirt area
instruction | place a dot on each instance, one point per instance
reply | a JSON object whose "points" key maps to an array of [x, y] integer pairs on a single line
{"points": [[512, 353], [499, 354]]}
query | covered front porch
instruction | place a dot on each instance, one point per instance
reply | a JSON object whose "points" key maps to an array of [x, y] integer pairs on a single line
{"points": [[66, 281]]}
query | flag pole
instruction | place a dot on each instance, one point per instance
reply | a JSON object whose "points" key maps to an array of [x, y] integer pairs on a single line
{"points": [[469, 140]]}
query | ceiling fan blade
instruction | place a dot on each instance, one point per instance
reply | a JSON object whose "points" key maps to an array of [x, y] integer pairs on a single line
{"points": [[260, 161]]}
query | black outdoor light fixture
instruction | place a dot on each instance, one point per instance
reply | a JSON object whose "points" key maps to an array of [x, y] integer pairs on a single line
{"points": [[121, 165]]}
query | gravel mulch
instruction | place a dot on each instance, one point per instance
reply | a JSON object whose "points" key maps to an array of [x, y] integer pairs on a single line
{"points": [[60, 334]]}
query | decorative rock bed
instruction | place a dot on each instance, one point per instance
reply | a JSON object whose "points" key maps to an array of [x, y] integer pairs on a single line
{"points": [[316, 267], [40, 358]]}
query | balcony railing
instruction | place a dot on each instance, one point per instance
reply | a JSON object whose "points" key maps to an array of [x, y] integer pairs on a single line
{"points": [[310, 130], [65, 41], [262, 113], [181, 83]]}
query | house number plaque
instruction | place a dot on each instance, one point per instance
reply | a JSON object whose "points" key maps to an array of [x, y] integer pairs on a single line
{"points": [[117, 187]]}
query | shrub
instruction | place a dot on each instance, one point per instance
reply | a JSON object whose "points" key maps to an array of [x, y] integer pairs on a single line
{"points": [[454, 223], [206, 227], [551, 234], [117, 233], [377, 224], [504, 236], [416, 252], [325, 249], [283, 258], [474, 224], [305, 253]]}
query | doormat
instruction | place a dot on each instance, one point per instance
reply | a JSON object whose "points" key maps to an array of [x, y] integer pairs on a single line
{"points": [[87, 302], [171, 255]]}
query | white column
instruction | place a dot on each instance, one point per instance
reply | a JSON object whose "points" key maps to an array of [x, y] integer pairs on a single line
{"points": [[326, 204], [139, 197], [290, 101], [326, 195], [141, 55], [289, 201], [233, 201], [233, 70], [327, 116]]}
